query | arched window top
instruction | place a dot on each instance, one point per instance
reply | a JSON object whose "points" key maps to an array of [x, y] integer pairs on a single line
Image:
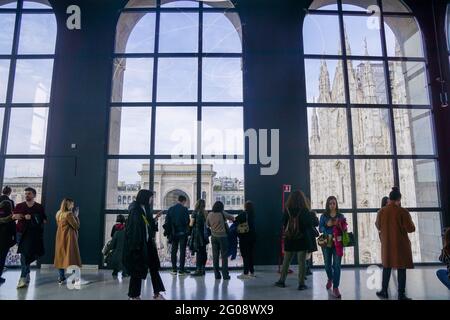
{"points": [[360, 5], [179, 27]]}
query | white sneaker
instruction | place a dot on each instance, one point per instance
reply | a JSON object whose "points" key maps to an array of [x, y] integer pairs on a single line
{"points": [[22, 283], [159, 297], [243, 276]]}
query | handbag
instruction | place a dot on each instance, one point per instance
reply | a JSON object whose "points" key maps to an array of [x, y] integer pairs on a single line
{"points": [[348, 239], [322, 240], [243, 227]]}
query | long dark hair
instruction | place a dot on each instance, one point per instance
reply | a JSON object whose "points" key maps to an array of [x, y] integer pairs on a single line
{"points": [[143, 197], [327, 205], [218, 206], [297, 201], [447, 241]]}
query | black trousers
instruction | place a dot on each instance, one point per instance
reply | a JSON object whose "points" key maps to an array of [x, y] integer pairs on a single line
{"points": [[3, 255], [178, 241], [134, 289], [202, 257], [401, 277], [247, 244]]}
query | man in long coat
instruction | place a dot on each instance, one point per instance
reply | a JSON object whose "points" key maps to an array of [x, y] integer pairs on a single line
{"points": [[394, 223]]}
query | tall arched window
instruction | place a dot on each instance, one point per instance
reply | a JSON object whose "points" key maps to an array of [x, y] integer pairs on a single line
{"points": [[177, 100], [370, 119], [27, 51]]}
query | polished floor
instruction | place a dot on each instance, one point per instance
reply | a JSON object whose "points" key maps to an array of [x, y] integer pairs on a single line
{"points": [[356, 284]]}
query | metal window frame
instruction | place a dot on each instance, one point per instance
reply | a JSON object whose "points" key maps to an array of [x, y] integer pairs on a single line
{"points": [[351, 156], [154, 104]]}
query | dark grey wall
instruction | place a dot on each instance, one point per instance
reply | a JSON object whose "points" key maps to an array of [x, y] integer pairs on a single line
{"points": [[273, 96]]}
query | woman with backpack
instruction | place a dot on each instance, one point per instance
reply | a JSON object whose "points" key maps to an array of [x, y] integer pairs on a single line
{"points": [[333, 225], [199, 237], [297, 225], [247, 239]]}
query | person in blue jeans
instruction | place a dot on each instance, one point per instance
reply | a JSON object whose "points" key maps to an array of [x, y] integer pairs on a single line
{"points": [[333, 252], [444, 275]]}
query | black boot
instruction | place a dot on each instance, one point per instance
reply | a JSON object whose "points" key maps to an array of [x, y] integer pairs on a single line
{"points": [[383, 294], [197, 273], [402, 296]]}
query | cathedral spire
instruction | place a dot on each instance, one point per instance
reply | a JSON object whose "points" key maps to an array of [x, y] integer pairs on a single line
{"points": [[315, 134], [324, 83]]}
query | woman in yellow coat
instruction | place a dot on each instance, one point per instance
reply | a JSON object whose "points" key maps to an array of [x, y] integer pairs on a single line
{"points": [[67, 252]]}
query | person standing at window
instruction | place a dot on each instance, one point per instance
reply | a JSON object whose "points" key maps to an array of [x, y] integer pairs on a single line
{"points": [[178, 221], [394, 223], [140, 253], [217, 222], [30, 234], [67, 252], [333, 224], [7, 232], [297, 224], [247, 239], [199, 237], [444, 275], [117, 243], [6, 195]]}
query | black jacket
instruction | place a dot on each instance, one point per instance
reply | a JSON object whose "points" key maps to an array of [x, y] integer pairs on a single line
{"points": [[7, 228], [135, 250], [178, 219], [305, 225], [197, 238], [4, 197], [117, 245]]}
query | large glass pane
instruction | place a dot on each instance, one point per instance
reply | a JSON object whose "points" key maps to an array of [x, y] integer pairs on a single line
{"points": [[129, 131], [6, 36], [217, 4], [176, 131], [125, 179], [8, 4], [426, 242], [324, 81], [368, 239], [178, 32], [394, 6], [363, 37], [2, 115], [36, 4], [223, 180], [403, 37], [414, 132], [348, 257], [321, 34], [27, 131], [175, 177], [23, 173], [4, 74], [374, 179], [33, 81], [222, 80], [359, 5], [327, 128], [179, 4], [221, 33], [222, 131], [419, 183], [37, 34], [367, 82], [132, 80], [177, 79], [324, 5], [330, 178], [136, 33], [409, 83], [141, 4], [371, 131]]}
